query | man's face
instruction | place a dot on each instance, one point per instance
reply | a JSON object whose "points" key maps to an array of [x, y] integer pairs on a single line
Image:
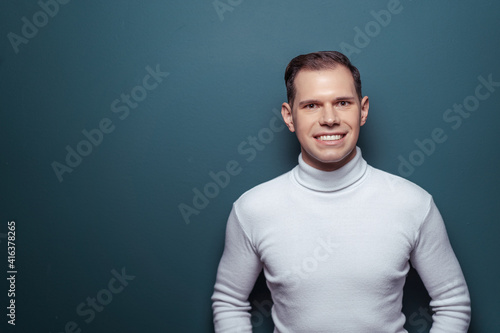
{"points": [[326, 116]]}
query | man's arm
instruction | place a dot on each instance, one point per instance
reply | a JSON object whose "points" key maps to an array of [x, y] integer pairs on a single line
{"points": [[438, 267], [238, 270]]}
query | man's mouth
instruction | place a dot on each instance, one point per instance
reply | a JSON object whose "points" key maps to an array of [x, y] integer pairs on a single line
{"points": [[334, 137]]}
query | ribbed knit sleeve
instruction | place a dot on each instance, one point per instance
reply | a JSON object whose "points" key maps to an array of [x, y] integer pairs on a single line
{"points": [[438, 267], [236, 276]]}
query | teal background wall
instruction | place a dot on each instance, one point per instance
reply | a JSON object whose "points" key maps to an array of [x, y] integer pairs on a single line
{"points": [[101, 244]]}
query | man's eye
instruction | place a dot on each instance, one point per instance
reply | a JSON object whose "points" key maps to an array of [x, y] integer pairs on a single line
{"points": [[310, 106], [344, 103]]}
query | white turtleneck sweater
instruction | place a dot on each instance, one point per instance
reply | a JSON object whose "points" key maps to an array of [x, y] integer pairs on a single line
{"points": [[335, 248]]}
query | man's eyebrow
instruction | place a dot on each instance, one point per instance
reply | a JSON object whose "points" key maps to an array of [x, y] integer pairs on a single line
{"points": [[344, 98], [337, 99], [309, 101]]}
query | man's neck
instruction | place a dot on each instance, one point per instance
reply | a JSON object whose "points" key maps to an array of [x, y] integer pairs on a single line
{"points": [[327, 166]]}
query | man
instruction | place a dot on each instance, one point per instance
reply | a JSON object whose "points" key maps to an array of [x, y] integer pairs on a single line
{"points": [[335, 236]]}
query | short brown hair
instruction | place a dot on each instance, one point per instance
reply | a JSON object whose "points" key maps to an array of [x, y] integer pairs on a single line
{"points": [[317, 61]]}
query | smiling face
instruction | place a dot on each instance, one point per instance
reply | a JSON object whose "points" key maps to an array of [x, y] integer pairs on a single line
{"points": [[326, 116]]}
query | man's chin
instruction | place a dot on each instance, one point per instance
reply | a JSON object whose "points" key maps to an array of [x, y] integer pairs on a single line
{"points": [[336, 157]]}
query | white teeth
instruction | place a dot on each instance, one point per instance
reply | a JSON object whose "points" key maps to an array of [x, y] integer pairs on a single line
{"points": [[330, 137]]}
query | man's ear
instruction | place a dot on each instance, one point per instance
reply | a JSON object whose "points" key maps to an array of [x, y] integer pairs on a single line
{"points": [[365, 105], [286, 113]]}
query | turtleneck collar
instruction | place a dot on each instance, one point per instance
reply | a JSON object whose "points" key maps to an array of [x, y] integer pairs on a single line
{"points": [[330, 181]]}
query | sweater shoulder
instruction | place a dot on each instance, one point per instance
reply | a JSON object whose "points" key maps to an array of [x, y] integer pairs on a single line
{"points": [[404, 189], [264, 195]]}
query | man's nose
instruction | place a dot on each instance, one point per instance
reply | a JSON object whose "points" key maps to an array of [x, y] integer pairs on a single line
{"points": [[329, 116]]}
